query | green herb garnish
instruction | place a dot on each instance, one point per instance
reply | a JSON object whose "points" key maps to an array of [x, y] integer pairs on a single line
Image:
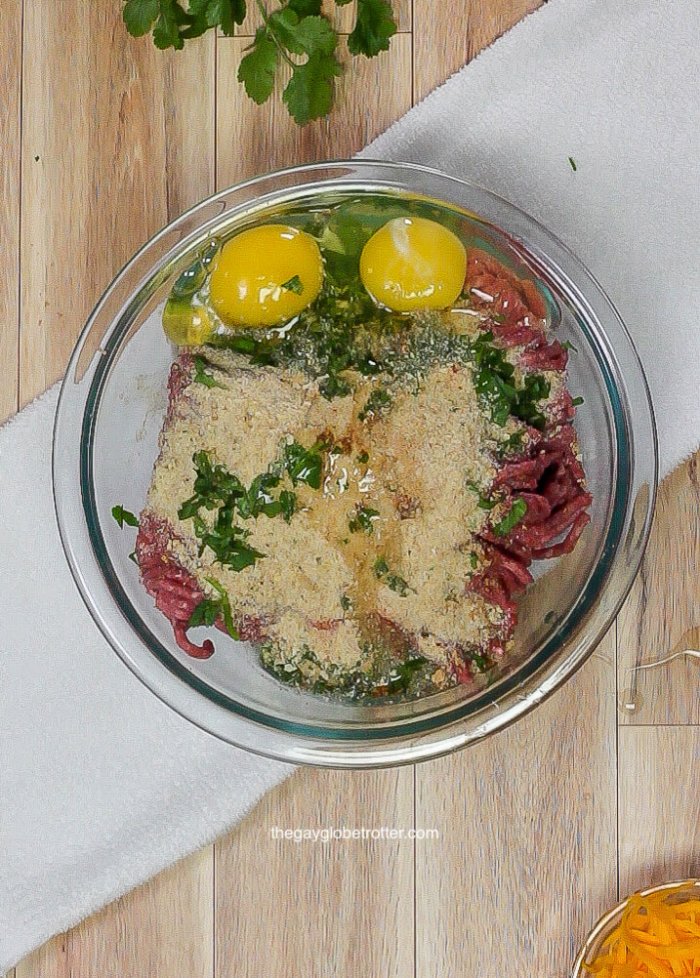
{"points": [[577, 401], [294, 284], [572, 163], [363, 458], [202, 377], [345, 602], [210, 610], [513, 443], [123, 516], [296, 35], [376, 402], [362, 519], [215, 488], [226, 540], [514, 515], [494, 380], [393, 581], [303, 464], [568, 345]]}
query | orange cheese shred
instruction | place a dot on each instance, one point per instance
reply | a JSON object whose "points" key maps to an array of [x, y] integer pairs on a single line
{"points": [[657, 937]]}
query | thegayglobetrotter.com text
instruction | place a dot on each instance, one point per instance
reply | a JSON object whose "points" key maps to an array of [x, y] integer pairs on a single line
{"points": [[344, 833]]}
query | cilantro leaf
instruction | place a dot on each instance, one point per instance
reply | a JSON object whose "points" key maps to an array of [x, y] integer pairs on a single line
{"points": [[220, 13], [257, 68], [307, 8], [363, 519], [166, 33], [303, 465], [294, 284], [202, 377], [309, 92], [374, 27], [123, 516], [315, 35], [514, 515], [140, 15]]}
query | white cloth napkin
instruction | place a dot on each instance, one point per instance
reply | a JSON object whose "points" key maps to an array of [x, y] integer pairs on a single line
{"points": [[100, 785]]}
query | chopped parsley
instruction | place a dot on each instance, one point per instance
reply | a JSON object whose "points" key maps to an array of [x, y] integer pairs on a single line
{"points": [[202, 377], [376, 402], [363, 458], [210, 610], [294, 284], [345, 602], [514, 515], [494, 381], [124, 516], [577, 401], [362, 519], [393, 581], [512, 444], [304, 464], [217, 489], [572, 163]]}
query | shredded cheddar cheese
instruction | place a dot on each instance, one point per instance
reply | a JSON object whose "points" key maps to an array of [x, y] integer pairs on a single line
{"points": [[658, 935]]}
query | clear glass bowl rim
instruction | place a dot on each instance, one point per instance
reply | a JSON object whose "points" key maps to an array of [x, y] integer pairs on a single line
{"points": [[609, 920], [456, 728]]}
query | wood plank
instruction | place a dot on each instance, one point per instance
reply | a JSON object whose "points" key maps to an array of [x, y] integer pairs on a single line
{"points": [[163, 928], [10, 84], [659, 809], [342, 18], [123, 142], [661, 614], [527, 823], [253, 139], [447, 35], [339, 908]]}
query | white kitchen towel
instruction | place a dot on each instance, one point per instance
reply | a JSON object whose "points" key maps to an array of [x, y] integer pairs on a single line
{"points": [[101, 785]]}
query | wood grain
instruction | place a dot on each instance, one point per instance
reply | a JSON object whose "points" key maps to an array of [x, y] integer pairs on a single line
{"points": [[113, 120], [447, 35], [343, 17], [124, 139], [662, 614], [659, 774], [254, 139], [527, 821], [319, 909], [162, 928], [10, 125]]}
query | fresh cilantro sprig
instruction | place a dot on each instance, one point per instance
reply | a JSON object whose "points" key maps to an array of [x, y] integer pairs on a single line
{"points": [[124, 516], [295, 34]]}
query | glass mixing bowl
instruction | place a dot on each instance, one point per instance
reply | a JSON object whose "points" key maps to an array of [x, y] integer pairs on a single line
{"points": [[682, 890], [111, 410]]}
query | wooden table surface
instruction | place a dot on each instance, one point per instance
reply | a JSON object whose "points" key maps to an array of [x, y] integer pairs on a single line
{"points": [[106, 139]]}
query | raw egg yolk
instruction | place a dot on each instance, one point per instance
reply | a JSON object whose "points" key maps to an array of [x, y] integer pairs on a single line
{"points": [[412, 263], [266, 276]]}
